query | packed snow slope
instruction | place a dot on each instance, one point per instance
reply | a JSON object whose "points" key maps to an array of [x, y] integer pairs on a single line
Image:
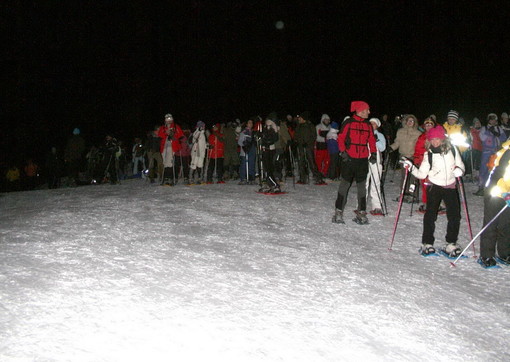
{"points": [[137, 272]]}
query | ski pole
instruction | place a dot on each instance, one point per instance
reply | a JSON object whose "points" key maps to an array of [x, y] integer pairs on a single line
{"points": [[291, 156], [464, 203], [399, 208], [477, 235], [383, 197]]}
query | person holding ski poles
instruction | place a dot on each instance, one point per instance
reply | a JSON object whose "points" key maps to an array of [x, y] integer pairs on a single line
{"points": [[497, 234], [170, 134], [198, 148], [356, 142], [247, 155], [216, 155], [441, 166]]}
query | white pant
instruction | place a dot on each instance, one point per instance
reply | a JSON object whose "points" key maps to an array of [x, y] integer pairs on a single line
{"points": [[373, 184], [136, 161]]}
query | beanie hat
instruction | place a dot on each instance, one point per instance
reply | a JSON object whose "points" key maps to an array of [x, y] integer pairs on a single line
{"points": [[216, 125], [453, 114], [305, 115], [376, 121], [76, 131], [358, 106], [200, 124], [334, 125], [430, 120], [436, 132], [325, 116], [492, 116], [504, 115], [476, 120], [169, 116]]}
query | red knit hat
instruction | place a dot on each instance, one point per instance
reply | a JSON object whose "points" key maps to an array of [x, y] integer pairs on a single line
{"points": [[358, 106], [436, 132]]}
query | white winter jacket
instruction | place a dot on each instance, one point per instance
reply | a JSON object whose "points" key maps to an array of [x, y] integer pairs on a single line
{"points": [[441, 172]]}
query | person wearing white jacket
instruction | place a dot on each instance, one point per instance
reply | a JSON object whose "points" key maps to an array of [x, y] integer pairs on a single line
{"points": [[441, 166], [198, 148], [373, 183]]}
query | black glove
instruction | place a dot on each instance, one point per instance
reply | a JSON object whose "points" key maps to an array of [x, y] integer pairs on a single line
{"points": [[373, 158], [344, 156]]}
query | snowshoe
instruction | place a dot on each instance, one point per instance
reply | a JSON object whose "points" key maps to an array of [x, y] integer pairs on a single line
{"points": [[422, 209], [220, 182], [301, 182], [488, 263], [242, 182], [361, 217], [376, 212], [338, 217], [427, 250], [320, 183], [505, 261], [265, 189]]}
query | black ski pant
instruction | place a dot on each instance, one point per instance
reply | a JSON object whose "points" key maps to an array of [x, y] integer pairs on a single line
{"points": [[215, 165], [354, 169], [268, 160], [450, 196], [307, 159], [497, 235], [182, 163]]}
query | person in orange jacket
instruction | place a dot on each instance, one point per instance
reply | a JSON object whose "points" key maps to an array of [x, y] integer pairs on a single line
{"points": [[170, 134], [215, 155]]}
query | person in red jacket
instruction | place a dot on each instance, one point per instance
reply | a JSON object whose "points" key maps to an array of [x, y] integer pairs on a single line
{"points": [[215, 155], [170, 135], [419, 151], [476, 147], [355, 139]]}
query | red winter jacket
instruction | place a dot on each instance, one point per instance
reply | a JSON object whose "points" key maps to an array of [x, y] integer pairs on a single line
{"points": [[419, 149], [218, 147], [356, 136], [176, 145]]}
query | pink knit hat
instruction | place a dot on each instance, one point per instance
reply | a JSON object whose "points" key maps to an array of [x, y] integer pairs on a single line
{"points": [[436, 132]]}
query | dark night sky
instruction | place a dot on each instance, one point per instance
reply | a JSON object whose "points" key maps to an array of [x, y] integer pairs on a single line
{"points": [[119, 66]]}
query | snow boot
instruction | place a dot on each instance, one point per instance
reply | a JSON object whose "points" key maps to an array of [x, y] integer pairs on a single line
{"points": [[427, 249], [453, 250], [487, 262], [361, 217], [479, 192], [338, 218]]}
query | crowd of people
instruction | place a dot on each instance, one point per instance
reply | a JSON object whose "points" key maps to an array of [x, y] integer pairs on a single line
{"points": [[431, 158]]}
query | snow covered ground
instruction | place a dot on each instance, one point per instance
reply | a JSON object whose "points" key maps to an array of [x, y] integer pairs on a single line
{"points": [[137, 272]]}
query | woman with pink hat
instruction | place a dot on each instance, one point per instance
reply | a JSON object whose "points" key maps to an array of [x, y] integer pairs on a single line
{"points": [[441, 166]]}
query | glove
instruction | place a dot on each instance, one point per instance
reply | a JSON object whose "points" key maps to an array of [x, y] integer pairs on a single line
{"points": [[458, 172], [408, 165], [373, 158], [506, 197], [344, 156]]}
